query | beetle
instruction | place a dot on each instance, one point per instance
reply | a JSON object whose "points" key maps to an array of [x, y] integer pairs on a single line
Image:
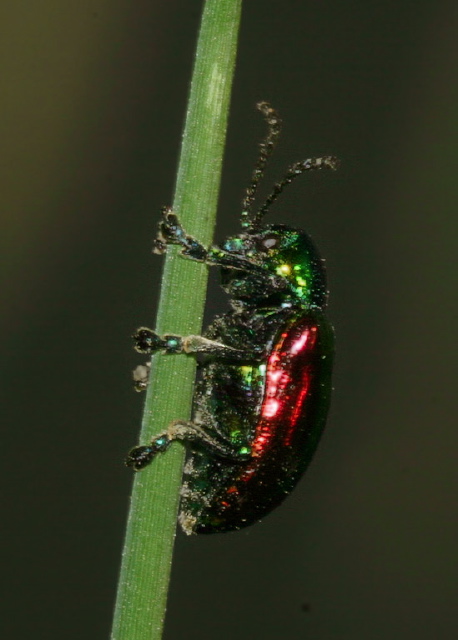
{"points": [[264, 389]]}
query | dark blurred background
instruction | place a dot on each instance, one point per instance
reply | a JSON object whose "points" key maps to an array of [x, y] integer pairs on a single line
{"points": [[93, 97]]}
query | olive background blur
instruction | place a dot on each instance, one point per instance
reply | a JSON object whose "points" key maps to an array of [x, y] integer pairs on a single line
{"points": [[93, 96]]}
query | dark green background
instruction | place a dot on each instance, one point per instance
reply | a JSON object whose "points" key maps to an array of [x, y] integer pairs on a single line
{"points": [[93, 96]]}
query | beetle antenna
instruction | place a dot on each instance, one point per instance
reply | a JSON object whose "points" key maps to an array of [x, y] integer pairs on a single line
{"points": [[295, 170], [265, 151]]}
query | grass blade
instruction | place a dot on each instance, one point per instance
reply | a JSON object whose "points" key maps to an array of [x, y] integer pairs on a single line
{"points": [[147, 555]]}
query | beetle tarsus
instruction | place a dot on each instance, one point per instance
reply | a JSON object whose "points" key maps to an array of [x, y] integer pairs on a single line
{"points": [[147, 341], [171, 232], [140, 457]]}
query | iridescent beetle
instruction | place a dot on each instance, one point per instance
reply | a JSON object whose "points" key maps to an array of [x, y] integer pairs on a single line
{"points": [[261, 400]]}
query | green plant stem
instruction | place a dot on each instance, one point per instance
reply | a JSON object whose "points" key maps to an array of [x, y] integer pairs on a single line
{"points": [[147, 555]]}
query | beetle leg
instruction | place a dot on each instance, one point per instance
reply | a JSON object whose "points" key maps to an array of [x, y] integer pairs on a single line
{"points": [[185, 431], [148, 341], [171, 232], [199, 344]]}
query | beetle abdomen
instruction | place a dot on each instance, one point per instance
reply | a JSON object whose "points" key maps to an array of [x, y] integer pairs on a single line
{"points": [[295, 401]]}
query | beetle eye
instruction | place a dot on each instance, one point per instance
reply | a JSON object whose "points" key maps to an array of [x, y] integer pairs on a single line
{"points": [[267, 243]]}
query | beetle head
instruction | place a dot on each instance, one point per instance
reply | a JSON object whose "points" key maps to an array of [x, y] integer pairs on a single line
{"points": [[283, 268]]}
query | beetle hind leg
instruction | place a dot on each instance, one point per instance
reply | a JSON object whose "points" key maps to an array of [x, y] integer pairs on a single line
{"points": [[141, 456], [186, 431]]}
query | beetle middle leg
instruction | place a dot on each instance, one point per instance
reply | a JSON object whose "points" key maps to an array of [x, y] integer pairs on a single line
{"points": [[186, 431], [148, 341]]}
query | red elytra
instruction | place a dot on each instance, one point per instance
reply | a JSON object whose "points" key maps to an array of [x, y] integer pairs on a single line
{"points": [[294, 405]]}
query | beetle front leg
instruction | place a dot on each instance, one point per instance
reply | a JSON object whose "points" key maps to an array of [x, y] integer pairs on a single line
{"points": [[171, 232], [141, 456]]}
